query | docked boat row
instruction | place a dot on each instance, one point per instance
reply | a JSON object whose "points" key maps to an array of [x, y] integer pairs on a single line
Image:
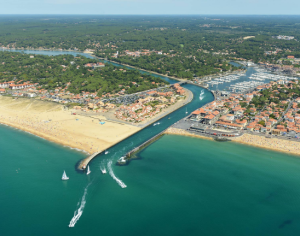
{"points": [[262, 76], [244, 86], [242, 83], [226, 79]]}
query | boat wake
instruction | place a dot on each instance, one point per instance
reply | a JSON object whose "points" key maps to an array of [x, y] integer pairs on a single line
{"points": [[114, 177], [102, 168], [201, 95], [79, 211]]}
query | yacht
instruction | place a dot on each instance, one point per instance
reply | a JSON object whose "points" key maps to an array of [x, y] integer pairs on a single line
{"points": [[88, 171], [65, 177], [106, 152]]}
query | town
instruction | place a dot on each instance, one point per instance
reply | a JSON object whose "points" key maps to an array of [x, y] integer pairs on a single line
{"points": [[270, 109]]}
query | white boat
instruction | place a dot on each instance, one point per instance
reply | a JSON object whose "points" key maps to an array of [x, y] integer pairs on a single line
{"points": [[106, 152], [186, 111], [103, 170], [88, 171], [156, 124], [65, 177]]}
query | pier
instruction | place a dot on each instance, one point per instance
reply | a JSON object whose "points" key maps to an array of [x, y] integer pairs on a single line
{"points": [[83, 164], [129, 154]]}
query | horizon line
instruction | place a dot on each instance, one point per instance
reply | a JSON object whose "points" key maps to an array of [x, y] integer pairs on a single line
{"points": [[211, 14]]}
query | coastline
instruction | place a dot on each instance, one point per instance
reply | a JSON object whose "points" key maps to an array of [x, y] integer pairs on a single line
{"points": [[274, 144], [51, 122], [76, 132]]}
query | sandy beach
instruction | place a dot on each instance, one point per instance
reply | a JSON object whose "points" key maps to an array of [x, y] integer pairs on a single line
{"points": [[182, 132], [281, 145], [50, 121], [275, 144]]}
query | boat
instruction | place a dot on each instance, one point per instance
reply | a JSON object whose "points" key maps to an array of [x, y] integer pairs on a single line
{"points": [[186, 111], [122, 161], [65, 177], [88, 170], [103, 170], [106, 152]]}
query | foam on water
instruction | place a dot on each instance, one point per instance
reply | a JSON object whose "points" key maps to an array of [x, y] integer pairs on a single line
{"points": [[114, 177], [79, 211], [201, 95]]}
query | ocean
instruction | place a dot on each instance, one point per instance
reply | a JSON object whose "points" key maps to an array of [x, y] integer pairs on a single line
{"points": [[177, 186]]}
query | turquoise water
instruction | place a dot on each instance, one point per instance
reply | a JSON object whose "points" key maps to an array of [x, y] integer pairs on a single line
{"points": [[178, 186]]}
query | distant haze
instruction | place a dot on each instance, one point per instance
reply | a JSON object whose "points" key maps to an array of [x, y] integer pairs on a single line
{"points": [[140, 7]]}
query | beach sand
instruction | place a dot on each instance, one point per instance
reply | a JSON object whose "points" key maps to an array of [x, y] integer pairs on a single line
{"points": [[275, 144], [182, 132], [50, 121], [281, 145]]}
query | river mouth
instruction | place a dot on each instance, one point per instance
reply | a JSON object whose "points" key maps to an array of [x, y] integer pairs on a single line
{"points": [[181, 186]]}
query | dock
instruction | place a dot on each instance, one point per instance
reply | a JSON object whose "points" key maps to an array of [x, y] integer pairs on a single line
{"points": [[83, 164]]}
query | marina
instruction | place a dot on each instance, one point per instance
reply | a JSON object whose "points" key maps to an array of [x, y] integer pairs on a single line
{"points": [[243, 82]]}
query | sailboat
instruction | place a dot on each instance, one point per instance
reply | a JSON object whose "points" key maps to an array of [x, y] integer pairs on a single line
{"points": [[88, 171], [65, 177]]}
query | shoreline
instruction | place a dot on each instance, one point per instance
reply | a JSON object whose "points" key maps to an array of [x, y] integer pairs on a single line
{"points": [[51, 122], [42, 135], [12, 118], [274, 144], [87, 160], [288, 147]]}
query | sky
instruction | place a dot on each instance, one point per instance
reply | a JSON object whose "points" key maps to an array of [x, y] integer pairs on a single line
{"points": [[150, 7]]}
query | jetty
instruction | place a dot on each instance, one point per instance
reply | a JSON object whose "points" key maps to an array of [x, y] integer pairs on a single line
{"points": [[123, 160], [83, 164]]}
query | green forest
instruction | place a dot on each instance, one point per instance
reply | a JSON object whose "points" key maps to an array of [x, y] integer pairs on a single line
{"points": [[190, 45], [51, 72]]}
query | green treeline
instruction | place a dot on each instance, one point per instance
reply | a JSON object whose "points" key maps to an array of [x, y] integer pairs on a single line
{"points": [[52, 72], [191, 45]]}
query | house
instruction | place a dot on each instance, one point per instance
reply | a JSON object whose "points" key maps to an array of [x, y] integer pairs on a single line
{"points": [[196, 114], [209, 119]]}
